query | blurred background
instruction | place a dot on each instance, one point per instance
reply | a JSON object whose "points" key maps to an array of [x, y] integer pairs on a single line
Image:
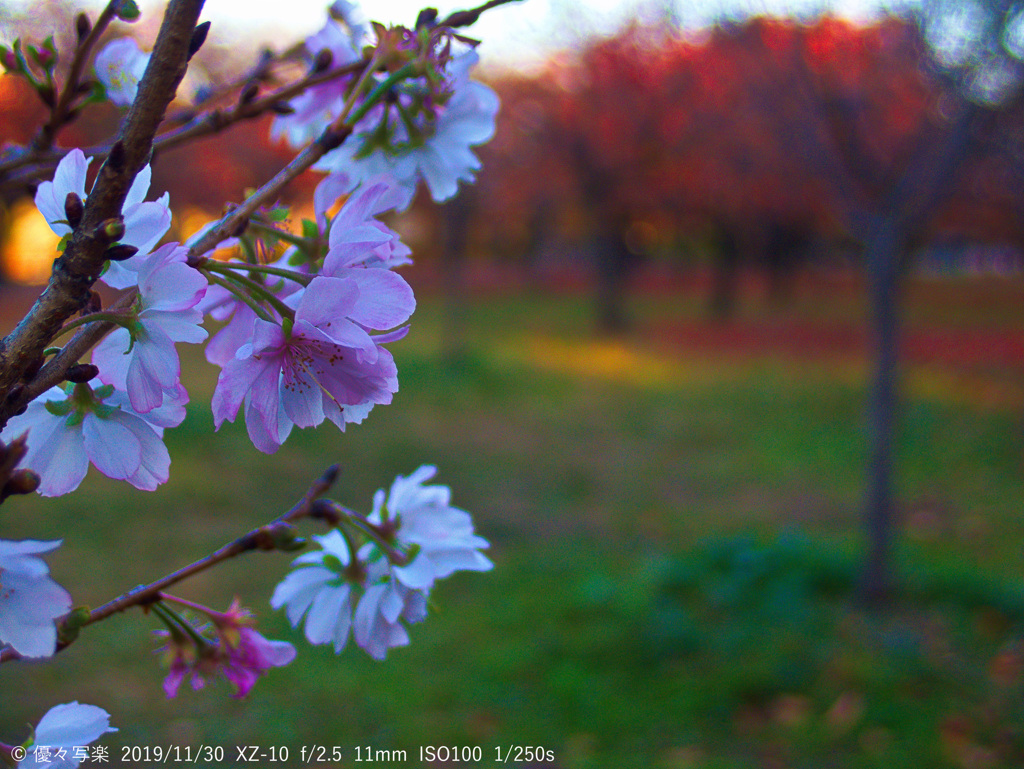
{"points": [[650, 357]]}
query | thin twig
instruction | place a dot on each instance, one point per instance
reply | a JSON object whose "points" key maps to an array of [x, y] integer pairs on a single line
{"points": [[261, 538], [48, 133], [78, 268]]}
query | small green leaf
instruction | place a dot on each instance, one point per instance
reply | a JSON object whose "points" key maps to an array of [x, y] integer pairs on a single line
{"points": [[59, 408], [97, 92], [309, 229]]}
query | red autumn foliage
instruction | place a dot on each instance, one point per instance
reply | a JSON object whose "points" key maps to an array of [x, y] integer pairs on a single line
{"points": [[763, 124]]}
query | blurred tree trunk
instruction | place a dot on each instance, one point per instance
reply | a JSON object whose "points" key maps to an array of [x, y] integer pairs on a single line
{"points": [[613, 263], [883, 255], [725, 273], [885, 201]]}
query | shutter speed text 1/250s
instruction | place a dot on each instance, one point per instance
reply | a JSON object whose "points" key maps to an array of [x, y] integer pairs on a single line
{"points": [[457, 754]]}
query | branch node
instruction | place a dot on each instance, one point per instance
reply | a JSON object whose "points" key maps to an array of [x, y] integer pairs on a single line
{"points": [[198, 38]]}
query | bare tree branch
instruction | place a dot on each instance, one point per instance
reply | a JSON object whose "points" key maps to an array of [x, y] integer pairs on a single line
{"points": [[79, 267]]}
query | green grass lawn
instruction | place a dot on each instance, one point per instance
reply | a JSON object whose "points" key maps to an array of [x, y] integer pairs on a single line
{"points": [[675, 541]]}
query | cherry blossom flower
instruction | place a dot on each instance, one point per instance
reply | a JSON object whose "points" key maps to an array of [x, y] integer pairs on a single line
{"points": [[323, 364], [69, 428], [143, 360], [320, 588], [29, 600], [318, 106], [421, 516], [63, 734], [120, 66], [185, 660], [248, 655], [377, 625], [144, 222], [356, 238], [418, 523], [222, 304], [239, 652], [443, 157]]}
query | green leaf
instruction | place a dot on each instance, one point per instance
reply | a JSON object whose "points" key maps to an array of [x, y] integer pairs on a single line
{"points": [[97, 92], [309, 229], [59, 408]]}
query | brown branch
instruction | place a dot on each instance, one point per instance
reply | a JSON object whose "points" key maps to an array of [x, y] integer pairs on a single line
{"points": [[270, 536], [236, 220], [218, 120], [465, 18], [78, 268], [59, 115], [206, 123]]}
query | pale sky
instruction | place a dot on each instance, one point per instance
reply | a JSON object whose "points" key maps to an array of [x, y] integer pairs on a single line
{"points": [[511, 34]]}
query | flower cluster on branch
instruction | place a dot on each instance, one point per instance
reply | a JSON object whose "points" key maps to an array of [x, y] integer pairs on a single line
{"points": [[304, 323]]}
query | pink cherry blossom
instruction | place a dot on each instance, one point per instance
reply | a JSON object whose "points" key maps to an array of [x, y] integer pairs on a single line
{"points": [[326, 362], [143, 361], [239, 653], [29, 600], [253, 656], [356, 238]]}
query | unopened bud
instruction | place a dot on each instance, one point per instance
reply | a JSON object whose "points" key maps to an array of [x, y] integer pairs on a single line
{"points": [[13, 452], [70, 626], [324, 510], [82, 26], [21, 482], [249, 92], [282, 108], [120, 252], [426, 18], [284, 537], [462, 18], [323, 60], [116, 159], [44, 58], [110, 230], [81, 373], [10, 60], [73, 209], [198, 38], [330, 139]]}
